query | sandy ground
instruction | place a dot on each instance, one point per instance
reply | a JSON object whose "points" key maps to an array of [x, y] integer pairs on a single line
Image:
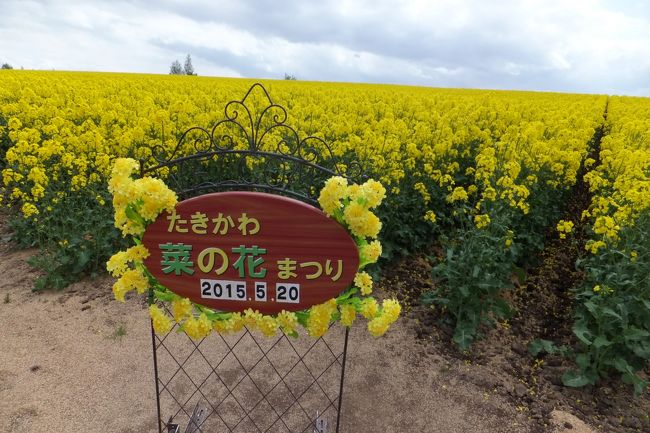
{"points": [[78, 361]]}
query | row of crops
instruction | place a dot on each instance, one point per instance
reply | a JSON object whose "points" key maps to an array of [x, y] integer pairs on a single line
{"points": [[482, 175]]}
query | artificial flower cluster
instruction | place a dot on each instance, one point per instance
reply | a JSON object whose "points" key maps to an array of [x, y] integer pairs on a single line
{"points": [[138, 202]]}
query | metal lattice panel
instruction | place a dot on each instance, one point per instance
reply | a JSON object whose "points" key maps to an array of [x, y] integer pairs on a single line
{"points": [[250, 383]]}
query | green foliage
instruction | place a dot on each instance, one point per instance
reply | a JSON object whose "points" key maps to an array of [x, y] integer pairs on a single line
{"points": [[188, 68], [5, 142], [119, 332], [176, 68], [612, 319], [75, 238], [539, 346], [403, 228], [471, 277]]}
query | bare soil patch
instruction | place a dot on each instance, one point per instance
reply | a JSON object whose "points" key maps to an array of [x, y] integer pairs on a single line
{"points": [[78, 361], [500, 364]]}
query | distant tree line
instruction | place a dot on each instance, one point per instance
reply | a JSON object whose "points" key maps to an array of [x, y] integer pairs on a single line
{"points": [[187, 69], [6, 66]]}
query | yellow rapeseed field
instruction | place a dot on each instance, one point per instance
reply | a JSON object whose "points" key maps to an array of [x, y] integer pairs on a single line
{"points": [[484, 174]]}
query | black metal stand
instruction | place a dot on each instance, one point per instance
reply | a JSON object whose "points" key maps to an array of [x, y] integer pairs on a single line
{"points": [[250, 383], [247, 382]]}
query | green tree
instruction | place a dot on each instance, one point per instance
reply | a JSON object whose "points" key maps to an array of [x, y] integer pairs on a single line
{"points": [[175, 68], [188, 69]]}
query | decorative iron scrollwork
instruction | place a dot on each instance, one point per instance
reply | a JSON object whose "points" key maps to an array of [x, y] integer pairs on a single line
{"points": [[252, 148]]}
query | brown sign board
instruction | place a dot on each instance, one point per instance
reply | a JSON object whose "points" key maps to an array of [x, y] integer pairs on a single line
{"points": [[236, 250]]}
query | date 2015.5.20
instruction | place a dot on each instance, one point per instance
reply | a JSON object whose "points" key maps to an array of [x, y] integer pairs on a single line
{"points": [[227, 290]]}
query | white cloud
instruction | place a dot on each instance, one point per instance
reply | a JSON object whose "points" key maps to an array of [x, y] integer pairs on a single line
{"points": [[581, 46]]}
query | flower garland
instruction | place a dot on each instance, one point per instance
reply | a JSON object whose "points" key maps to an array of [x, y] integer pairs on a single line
{"points": [[138, 203]]}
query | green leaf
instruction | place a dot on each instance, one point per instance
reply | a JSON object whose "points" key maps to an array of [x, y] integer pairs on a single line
{"points": [[521, 274], [622, 366], [642, 349], [592, 307], [575, 379], [601, 341], [501, 309], [583, 334], [539, 346], [346, 296], [132, 214], [433, 297], [164, 296], [463, 337], [633, 333], [303, 317], [583, 360], [638, 383], [83, 257], [450, 254], [609, 312]]}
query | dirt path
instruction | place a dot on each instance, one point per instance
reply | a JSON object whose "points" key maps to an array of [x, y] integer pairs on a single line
{"points": [[77, 361]]}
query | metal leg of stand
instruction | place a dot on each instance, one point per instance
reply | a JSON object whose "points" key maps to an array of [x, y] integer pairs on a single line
{"points": [[345, 353], [155, 370]]}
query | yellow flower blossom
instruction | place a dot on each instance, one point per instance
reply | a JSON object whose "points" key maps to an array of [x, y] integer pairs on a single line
{"points": [[333, 192], [161, 323], [363, 281], [181, 308], [319, 318], [348, 314], [482, 221], [371, 251], [197, 328], [458, 194]]}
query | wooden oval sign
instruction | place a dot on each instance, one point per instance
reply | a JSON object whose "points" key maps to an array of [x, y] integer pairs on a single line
{"points": [[236, 250]]}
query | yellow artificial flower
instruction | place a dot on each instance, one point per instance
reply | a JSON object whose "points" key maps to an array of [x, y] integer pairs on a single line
{"points": [[369, 308], [363, 281], [161, 323], [288, 321], [370, 252], [333, 192], [348, 314], [319, 318], [197, 328], [181, 308]]}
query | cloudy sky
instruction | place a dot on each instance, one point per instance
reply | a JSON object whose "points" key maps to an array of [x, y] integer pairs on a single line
{"points": [[557, 45]]}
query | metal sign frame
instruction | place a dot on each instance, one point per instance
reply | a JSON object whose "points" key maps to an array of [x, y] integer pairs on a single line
{"points": [[251, 149]]}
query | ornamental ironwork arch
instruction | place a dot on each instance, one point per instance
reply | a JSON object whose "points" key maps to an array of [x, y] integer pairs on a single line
{"points": [[251, 149]]}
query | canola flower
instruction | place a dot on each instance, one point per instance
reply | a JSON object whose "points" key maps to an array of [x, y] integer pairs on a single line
{"points": [[564, 227], [514, 140], [620, 185], [470, 149]]}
